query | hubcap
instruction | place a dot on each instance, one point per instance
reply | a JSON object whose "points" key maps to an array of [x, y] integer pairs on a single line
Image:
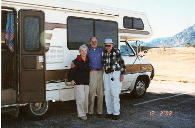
{"points": [[140, 87], [39, 108]]}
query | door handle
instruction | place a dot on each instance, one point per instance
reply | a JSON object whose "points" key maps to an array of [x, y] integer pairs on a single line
{"points": [[41, 66]]}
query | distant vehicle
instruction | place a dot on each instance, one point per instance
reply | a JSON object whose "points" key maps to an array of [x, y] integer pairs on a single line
{"points": [[46, 36]]}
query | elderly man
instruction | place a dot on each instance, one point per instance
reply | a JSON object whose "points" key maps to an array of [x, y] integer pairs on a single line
{"points": [[114, 68], [96, 77]]}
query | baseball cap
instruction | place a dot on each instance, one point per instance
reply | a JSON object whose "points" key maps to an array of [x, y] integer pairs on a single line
{"points": [[106, 41]]}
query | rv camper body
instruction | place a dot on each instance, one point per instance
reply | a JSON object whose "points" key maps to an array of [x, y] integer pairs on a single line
{"points": [[47, 35]]}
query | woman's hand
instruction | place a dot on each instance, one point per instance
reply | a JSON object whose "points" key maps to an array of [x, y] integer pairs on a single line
{"points": [[73, 65], [73, 82]]}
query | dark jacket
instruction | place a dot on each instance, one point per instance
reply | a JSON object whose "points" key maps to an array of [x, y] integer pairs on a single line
{"points": [[80, 73]]}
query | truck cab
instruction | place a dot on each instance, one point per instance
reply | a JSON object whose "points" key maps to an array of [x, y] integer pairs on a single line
{"points": [[139, 72]]}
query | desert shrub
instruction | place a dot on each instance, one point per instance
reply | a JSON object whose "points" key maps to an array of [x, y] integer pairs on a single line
{"points": [[187, 45]]}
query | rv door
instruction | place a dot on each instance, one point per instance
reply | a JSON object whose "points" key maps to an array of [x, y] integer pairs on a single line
{"points": [[32, 56]]}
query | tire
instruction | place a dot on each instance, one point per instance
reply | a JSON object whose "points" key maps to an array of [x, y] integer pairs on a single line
{"points": [[37, 110], [152, 74], [139, 88]]}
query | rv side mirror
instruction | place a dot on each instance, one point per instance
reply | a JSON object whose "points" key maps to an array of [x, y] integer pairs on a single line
{"points": [[145, 51]]}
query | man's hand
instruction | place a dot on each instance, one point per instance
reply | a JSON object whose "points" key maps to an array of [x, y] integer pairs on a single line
{"points": [[72, 65], [73, 82], [121, 78]]}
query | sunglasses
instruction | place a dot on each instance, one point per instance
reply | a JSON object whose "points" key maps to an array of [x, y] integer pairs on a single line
{"points": [[107, 45]]}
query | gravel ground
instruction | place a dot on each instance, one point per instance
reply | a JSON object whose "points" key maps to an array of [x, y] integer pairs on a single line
{"points": [[174, 112]]}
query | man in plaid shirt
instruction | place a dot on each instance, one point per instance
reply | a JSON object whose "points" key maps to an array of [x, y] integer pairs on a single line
{"points": [[114, 69]]}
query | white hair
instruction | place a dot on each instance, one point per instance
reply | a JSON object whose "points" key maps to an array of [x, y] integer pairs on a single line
{"points": [[84, 46]]}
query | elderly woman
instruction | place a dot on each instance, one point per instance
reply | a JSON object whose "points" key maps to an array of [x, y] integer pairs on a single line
{"points": [[79, 77]]}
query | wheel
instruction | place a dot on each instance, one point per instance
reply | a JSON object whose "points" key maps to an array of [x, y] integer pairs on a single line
{"points": [[152, 72], [139, 88], [38, 109]]}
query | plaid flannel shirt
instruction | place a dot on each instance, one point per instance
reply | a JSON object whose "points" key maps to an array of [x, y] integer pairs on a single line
{"points": [[113, 61]]}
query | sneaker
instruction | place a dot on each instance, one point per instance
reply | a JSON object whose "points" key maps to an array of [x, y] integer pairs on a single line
{"points": [[115, 117], [109, 116], [83, 118]]}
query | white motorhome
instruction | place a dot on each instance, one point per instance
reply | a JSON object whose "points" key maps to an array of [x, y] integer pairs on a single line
{"points": [[39, 40]]}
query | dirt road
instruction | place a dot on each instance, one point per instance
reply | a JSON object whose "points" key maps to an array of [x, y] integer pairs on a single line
{"points": [[166, 105]]}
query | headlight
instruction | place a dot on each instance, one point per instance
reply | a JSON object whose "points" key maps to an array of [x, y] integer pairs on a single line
{"points": [[147, 67]]}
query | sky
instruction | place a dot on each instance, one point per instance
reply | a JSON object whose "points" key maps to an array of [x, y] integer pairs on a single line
{"points": [[166, 17]]}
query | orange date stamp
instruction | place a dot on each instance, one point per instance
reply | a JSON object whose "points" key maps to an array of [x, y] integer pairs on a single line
{"points": [[161, 113]]}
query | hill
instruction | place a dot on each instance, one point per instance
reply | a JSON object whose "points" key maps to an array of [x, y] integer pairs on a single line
{"points": [[179, 40]]}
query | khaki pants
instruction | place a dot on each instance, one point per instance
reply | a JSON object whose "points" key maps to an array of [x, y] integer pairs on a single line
{"points": [[96, 88], [81, 95]]}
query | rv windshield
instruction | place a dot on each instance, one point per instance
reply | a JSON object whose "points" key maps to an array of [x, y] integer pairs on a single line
{"points": [[126, 50]]}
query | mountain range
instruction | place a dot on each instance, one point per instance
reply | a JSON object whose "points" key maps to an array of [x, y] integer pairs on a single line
{"points": [[179, 40]]}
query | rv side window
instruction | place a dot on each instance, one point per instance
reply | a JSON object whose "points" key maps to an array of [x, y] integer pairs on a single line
{"points": [[79, 32], [106, 29], [138, 24], [128, 22], [133, 23], [81, 29], [31, 33]]}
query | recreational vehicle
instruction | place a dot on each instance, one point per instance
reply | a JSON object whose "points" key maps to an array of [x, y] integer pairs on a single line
{"points": [[39, 40]]}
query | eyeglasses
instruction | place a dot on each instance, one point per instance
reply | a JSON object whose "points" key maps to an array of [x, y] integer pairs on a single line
{"points": [[107, 45]]}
